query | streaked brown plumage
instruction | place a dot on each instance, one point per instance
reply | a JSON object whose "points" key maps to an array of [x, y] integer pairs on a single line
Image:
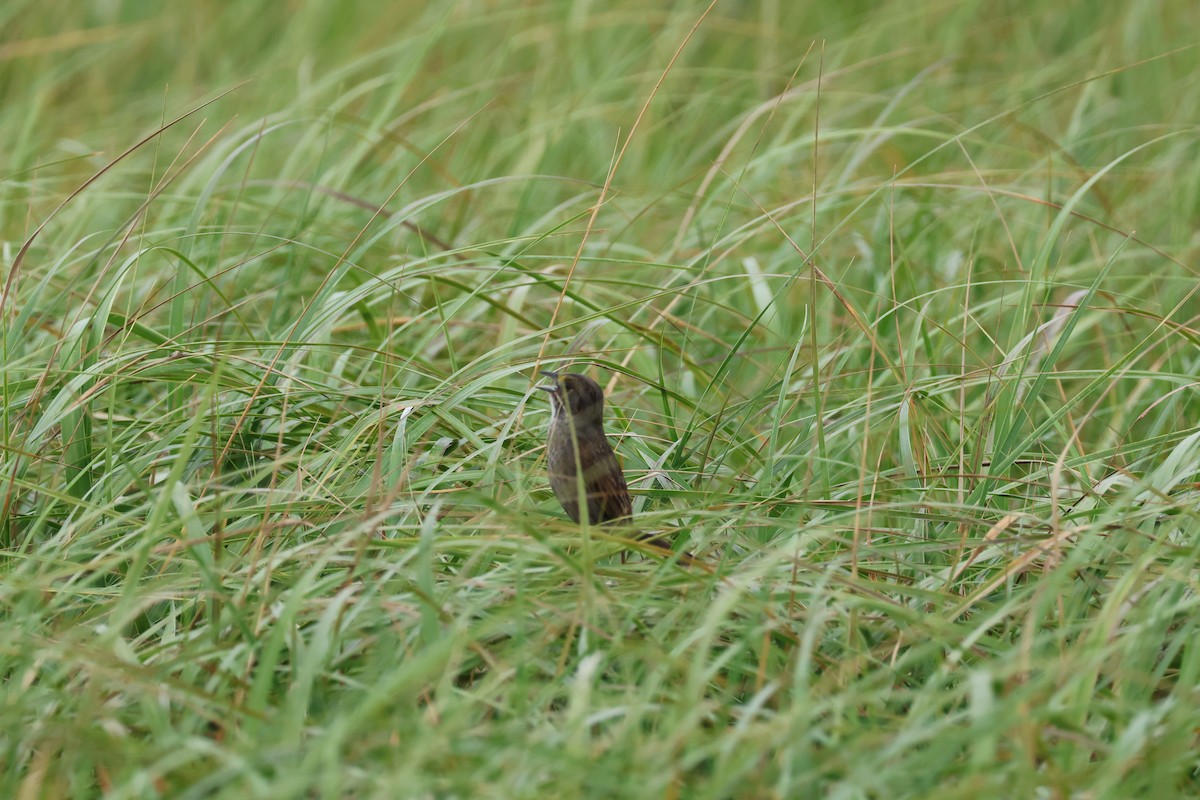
{"points": [[577, 426], [580, 460]]}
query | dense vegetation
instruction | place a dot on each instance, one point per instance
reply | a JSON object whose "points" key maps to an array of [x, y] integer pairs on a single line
{"points": [[895, 305]]}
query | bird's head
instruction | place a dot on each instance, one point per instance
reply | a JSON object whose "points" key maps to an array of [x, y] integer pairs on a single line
{"points": [[580, 397]]}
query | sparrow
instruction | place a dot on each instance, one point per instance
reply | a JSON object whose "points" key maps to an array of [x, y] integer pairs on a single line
{"points": [[580, 460]]}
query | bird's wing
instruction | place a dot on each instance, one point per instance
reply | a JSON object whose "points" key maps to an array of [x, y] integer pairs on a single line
{"points": [[608, 499]]}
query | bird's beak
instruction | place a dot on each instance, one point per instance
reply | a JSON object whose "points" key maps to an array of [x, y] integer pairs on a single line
{"points": [[552, 376]]}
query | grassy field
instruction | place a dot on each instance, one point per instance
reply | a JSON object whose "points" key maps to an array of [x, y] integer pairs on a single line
{"points": [[896, 309]]}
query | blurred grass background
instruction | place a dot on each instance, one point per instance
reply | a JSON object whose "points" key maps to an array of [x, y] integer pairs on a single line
{"points": [[894, 303]]}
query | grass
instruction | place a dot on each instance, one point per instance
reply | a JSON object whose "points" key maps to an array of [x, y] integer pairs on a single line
{"points": [[895, 306]]}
